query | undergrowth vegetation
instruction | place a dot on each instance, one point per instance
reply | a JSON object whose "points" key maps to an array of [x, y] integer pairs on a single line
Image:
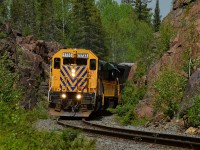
{"points": [[169, 88], [131, 95], [194, 113], [166, 34], [17, 129]]}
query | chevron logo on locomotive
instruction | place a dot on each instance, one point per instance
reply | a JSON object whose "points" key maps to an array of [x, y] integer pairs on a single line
{"points": [[73, 77]]}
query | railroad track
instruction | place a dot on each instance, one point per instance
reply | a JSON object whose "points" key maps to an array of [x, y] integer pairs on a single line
{"points": [[141, 136]]}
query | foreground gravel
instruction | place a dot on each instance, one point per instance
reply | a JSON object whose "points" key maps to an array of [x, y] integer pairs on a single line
{"points": [[110, 143], [47, 125]]}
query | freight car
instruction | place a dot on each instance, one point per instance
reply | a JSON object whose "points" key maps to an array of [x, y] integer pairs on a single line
{"points": [[80, 84]]}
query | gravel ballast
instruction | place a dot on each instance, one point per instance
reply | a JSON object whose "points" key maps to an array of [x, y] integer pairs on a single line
{"points": [[110, 143]]}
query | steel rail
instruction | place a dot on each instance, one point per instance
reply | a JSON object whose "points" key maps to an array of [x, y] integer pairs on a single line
{"points": [[153, 134], [140, 136]]}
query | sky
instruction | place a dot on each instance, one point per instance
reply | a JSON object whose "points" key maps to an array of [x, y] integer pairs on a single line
{"points": [[165, 6]]}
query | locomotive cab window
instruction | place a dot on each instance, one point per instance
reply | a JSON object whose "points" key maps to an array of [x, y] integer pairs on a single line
{"points": [[92, 64], [56, 63], [68, 61], [81, 62]]}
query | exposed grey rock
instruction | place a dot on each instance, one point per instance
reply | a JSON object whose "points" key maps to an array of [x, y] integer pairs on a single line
{"points": [[30, 58], [192, 90]]}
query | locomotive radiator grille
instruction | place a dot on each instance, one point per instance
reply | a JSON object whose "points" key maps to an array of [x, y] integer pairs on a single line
{"points": [[73, 77]]}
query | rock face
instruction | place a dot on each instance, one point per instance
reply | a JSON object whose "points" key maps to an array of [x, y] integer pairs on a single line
{"points": [[30, 57], [192, 91], [185, 19], [180, 3]]}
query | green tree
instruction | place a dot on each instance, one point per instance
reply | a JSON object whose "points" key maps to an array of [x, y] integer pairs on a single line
{"points": [[127, 1], [61, 21], [87, 31], [1, 11], [23, 19], [120, 23], [166, 34], [156, 19], [5, 10], [45, 19], [103, 3], [140, 8]]}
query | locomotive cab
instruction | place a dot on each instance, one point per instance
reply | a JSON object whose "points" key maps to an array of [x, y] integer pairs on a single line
{"points": [[73, 83]]}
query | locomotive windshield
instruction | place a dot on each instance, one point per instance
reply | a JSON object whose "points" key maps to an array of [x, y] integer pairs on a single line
{"points": [[78, 61], [68, 61], [81, 62]]}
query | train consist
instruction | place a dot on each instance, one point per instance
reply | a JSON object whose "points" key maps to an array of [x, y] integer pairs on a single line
{"points": [[81, 84]]}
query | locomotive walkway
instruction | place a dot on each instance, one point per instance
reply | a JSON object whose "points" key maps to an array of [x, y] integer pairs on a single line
{"points": [[140, 136]]}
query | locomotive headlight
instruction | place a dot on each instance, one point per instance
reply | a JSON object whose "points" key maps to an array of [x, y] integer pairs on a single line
{"points": [[78, 96], [73, 70], [73, 74], [63, 95]]}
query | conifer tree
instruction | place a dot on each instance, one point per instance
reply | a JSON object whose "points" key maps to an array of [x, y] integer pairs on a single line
{"points": [[2, 10], [101, 4], [156, 19], [127, 1], [87, 31], [45, 19], [4, 16], [61, 21], [23, 19], [140, 8]]}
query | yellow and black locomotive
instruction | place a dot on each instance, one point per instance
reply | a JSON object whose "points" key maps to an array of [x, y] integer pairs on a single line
{"points": [[81, 84]]}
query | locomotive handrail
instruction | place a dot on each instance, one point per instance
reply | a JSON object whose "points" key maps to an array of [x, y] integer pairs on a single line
{"points": [[50, 88], [51, 81]]}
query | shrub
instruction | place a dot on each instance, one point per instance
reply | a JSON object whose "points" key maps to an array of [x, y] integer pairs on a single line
{"points": [[194, 113], [2, 35], [131, 93], [82, 144], [131, 96], [141, 69], [169, 88], [140, 121], [166, 33]]}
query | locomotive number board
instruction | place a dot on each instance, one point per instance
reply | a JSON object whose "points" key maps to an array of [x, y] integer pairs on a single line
{"points": [[83, 55], [67, 55]]}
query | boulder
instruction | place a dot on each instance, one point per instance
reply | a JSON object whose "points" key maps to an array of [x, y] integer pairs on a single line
{"points": [[191, 131], [144, 109]]}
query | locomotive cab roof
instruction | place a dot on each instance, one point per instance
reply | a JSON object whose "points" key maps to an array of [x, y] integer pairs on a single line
{"points": [[74, 53]]}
